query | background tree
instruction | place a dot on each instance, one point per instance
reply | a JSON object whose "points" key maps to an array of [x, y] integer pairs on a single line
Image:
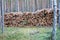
{"points": [[59, 13], [2, 15], [16, 5], [51, 4], [35, 5]]}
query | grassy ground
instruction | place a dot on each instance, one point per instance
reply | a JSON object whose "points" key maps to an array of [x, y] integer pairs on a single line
{"points": [[15, 33]]}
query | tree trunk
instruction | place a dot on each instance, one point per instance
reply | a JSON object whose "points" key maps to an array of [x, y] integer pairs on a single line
{"points": [[51, 4], [16, 5], [59, 14], [11, 6], [2, 14], [35, 5], [54, 20]]}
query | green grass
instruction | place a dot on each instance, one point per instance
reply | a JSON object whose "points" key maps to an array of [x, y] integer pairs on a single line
{"points": [[16, 33]]}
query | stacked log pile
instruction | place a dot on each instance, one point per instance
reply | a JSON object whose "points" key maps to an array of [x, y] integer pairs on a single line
{"points": [[42, 17]]}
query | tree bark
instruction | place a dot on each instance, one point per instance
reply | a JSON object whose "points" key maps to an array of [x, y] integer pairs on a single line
{"points": [[16, 5], [35, 5], [51, 4], [54, 20], [2, 14], [59, 14]]}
